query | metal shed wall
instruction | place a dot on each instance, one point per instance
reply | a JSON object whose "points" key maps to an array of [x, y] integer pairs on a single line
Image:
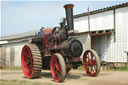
{"points": [[99, 21], [18, 50], [12, 54], [116, 49], [112, 47], [102, 21], [8, 55], [81, 24], [121, 33], [85, 40]]}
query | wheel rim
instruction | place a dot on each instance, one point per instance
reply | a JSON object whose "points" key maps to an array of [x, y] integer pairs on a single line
{"points": [[27, 62], [89, 63], [55, 68]]}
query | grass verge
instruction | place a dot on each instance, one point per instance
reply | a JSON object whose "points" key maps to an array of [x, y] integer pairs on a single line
{"points": [[17, 82], [12, 68], [81, 68], [123, 68]]}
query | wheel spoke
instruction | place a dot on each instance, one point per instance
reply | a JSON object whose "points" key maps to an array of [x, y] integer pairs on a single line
{"points": [[29, 53], [25, 65], [30, 69], [56, 62], [89, 69], [26, 55], [92, 70], [58, 67], [95, 67], [93, 63], [26, 68], [87, 56], [58, 74], [91, 55], [89, 62]]}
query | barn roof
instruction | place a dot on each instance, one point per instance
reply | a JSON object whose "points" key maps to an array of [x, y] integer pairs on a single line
{"points": [[99, 10], [23, 35], [102, 10], [18, 36]]}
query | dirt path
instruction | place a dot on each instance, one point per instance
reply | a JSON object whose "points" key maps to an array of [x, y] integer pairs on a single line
{"points": [[73, 78]]}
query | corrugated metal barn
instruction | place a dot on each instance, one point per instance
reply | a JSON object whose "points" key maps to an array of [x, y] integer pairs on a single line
{"points": [[108, 30], [11, 47]]}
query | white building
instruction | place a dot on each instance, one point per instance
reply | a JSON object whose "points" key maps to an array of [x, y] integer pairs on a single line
{"points": [[108, 29], [11, 47]]}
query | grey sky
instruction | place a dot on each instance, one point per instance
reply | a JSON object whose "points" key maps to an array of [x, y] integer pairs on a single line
{"points": [[23, 16]]}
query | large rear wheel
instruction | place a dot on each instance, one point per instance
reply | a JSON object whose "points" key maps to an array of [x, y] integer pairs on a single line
{"points": [[58, 67], [91, 63], [31, 61]]}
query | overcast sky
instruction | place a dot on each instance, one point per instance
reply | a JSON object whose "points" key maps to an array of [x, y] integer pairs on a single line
{"points": [[23, 16]]}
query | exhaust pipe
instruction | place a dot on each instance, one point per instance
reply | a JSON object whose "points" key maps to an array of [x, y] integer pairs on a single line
{"points": [[69, 16]]}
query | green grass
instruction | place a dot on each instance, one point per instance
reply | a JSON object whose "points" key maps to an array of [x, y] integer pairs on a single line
{"points": [[12, 68], [80, 68], [16, 82], [123, 68]]}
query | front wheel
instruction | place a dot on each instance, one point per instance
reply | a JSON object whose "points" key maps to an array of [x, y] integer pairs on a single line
{"points": [[58, 67], [91, 63]]}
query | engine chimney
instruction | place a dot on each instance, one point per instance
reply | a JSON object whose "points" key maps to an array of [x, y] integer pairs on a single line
{"points": [[69, 16]]}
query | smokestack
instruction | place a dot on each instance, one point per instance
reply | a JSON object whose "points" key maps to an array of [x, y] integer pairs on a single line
{"points": [[69, 16]]}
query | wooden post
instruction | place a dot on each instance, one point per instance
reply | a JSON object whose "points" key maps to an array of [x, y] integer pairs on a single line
{"points": [[89, 28], [127, 60]]}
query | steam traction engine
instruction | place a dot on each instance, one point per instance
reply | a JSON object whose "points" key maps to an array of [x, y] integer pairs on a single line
{"points": [[58, 51]]}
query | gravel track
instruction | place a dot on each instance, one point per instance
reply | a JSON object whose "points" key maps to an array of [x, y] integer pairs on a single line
{"points": [[73, 77]]}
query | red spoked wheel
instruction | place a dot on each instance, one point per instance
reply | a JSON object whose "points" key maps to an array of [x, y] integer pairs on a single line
{"points": [[58, 67], [91, 63], [31, 61]]}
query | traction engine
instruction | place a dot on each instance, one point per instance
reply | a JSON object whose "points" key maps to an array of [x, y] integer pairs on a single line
{"points": [[58, 51]]}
